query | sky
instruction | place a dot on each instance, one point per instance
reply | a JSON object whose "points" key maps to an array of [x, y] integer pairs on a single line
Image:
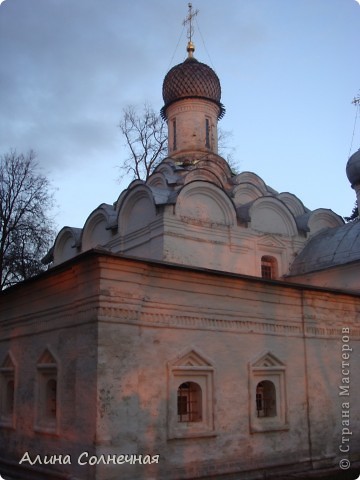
{"points": [[289, 70]]}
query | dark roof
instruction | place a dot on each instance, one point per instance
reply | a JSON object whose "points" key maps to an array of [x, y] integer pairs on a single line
{"points": [[329, 248], [191, 79], [353, 168]]}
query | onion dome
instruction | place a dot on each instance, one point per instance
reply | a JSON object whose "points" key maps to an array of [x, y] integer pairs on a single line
{"points": [[191, 79], [353, 168]]}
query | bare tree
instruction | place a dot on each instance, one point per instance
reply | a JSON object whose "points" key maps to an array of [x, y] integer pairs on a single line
{"points": [[146, 140], [226, 150], [26, 230], [145, 136]]}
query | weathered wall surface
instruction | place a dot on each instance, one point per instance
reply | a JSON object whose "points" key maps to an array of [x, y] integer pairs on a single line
{"points": [[152, 316], [55, 313], [342, 276], [126, 333]]}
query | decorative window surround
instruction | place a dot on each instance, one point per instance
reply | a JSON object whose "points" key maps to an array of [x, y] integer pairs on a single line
{"points": [[191, 370], [7, 392], [47, 404], [267, 371]]}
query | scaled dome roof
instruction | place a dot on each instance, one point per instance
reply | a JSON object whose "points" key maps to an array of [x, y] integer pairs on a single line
{"points": [[191, 79], [353, 168]]}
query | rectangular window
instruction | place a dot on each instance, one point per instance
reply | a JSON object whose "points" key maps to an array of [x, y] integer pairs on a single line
{"points": [[189, 402], [182, 406], [266, 271], [174, 134], [207, 133], [268, 267]]}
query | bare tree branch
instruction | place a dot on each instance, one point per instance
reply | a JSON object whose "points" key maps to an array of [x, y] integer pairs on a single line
{"points": [[26, 231], [226, 150], [145, 136]]}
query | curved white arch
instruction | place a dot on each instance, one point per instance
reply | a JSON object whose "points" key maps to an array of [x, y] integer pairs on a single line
{"points": [[323, 218], [205, 203], [245, 193], [137, 209], [293, 203], [217, 165], [270, 215], [250, 177], [97, 229], [203, 174], [157, 180], [67, 244]]}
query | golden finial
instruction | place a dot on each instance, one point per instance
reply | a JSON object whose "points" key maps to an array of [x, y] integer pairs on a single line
{"points": [[188, 20]]}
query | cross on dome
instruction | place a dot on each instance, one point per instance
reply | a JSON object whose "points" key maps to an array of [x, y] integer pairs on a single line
{"points": [[188, 20]]}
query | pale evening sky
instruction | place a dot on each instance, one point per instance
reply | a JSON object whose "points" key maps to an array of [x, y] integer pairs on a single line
{"points": [[289, 70]]}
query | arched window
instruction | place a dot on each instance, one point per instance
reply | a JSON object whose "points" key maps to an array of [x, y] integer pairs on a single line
{"points": [[266, 399], [189, 402], [268, 407], [269, 267], [191, 396]]}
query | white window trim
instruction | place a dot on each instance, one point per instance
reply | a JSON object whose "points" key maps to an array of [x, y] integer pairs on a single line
{"points": [[203, 375], [274, 373], [46, 372]]}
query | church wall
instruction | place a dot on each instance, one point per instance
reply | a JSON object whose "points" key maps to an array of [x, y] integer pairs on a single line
{"points": [[225, 248], [125, 333], [147, 243], [333, 359], [139, 418], [160, 314], [48, 326]]}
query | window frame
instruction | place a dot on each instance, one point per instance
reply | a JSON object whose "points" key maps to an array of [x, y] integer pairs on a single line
{"points": [[269, 263], [268, 368], [195, 369], [174, 131], [208, 132], [190, 404], [47, 371], [7, 375], [267, 387]]}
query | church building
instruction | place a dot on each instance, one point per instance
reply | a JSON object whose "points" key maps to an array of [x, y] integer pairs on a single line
{"points": [[204, 326]]}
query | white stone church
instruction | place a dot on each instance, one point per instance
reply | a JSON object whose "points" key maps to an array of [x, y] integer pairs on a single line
{"points": [[204, 326]]}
